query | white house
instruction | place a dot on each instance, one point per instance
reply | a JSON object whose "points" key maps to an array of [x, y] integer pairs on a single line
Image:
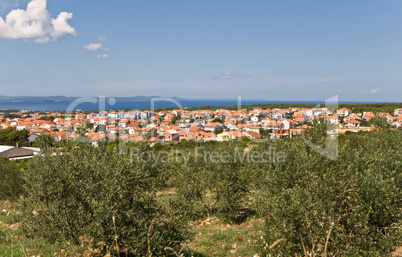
{"points": [[102, 121], [274, 125], [287, 124], [351, 124], [397, 124], [344, 112], [122, 123], [134, 130], [278, 115], [333, 119], [22, 127], [254, 119], [307, 111], [398, 112], [213, 126], [255, 129]]}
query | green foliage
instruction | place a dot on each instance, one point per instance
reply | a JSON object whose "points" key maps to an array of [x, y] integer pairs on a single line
{"points": [[317, 134], [174, 120], [44, 141], [87, 126], [217, 120], [355, 107], [48, 118], [311, 205], [347, 207], [265, 133], [79, 192], [12, 245], [380, 122], [10, 136], [12, 116], [363, 122], [171, 144], [11, 182], [218, 131], [213, 178], [158, 146], [81, 130], [371, 107], [116, 143]]}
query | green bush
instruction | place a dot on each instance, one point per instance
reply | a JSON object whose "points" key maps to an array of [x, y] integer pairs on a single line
{"points": [[77, 192], [11, 182], [213, 179], [318, 207], [312, 206], [10, 136], [44, 141]]}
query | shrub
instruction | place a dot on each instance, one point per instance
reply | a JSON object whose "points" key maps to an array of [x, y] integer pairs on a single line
{"points": [[44, 141], [212, 179], [318, 207], [78, 192], [11, 182], [10, 136]]}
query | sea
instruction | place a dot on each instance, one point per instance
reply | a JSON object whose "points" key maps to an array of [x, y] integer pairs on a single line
{"points": [[110, 104]]}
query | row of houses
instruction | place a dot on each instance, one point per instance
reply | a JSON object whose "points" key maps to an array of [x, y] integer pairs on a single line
{"points": [[176, 125]]}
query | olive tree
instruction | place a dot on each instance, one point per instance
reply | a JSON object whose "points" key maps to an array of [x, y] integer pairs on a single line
{"points": [[314, 206], [98, 194], [212, 179], [11, 182]]}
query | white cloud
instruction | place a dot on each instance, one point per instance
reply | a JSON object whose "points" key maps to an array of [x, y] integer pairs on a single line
{"points": [[97, 46], [93, 46], [60, 26], [35, 23], [227, 75], [102, 39], [230, 75], [101, 56], [372, 91]]}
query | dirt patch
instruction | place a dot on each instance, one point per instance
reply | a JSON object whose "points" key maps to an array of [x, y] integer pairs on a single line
{"points": [[215, 237], [398, 252]]}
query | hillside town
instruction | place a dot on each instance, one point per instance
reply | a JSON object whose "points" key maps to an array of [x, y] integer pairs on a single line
{"points": [[177, 125]]}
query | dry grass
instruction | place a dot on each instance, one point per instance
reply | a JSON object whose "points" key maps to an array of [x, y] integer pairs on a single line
{"points": [[10, 217], [214, 237], [397, 252]]}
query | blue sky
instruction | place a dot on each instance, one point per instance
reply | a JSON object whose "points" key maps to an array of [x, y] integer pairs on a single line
{"points": [[274, 50]]}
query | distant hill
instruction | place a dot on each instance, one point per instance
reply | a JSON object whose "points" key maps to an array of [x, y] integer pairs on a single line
{"points": [[5, 97], [37, 98]]}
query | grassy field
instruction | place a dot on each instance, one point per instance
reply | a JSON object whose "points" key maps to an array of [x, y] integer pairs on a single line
{"points": [[210, 208], [215, 236], [212, 237], [13, 243]]}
